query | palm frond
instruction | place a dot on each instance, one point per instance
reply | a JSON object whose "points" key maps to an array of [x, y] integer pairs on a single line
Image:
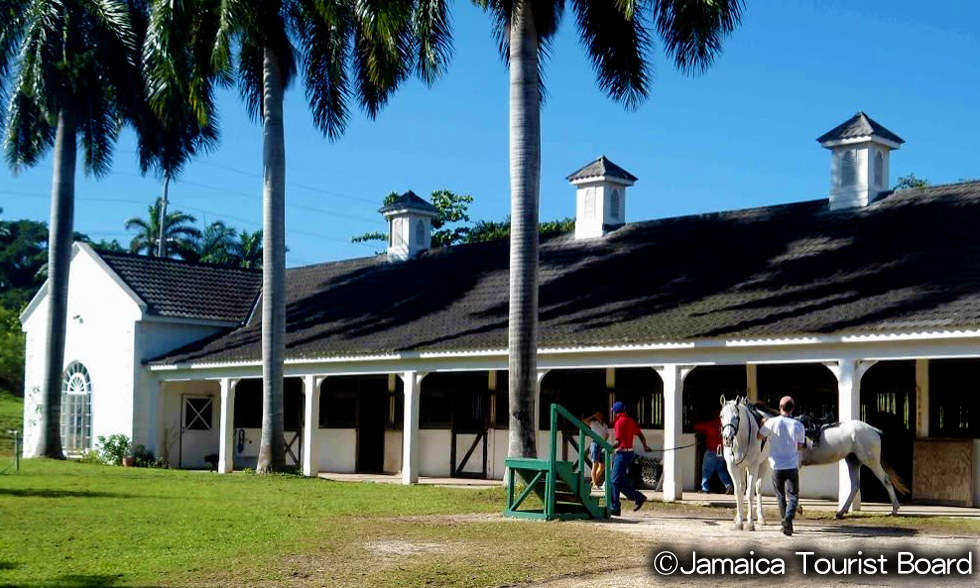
{"points": [[693, 30], [323, 31], [250, 76], [137, 223], [382, 50], [433, 38], [179, 119], [12, 25], [617, 44]]}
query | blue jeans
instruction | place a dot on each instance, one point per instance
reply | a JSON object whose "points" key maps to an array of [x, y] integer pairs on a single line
{"points": [[621, 481], [786, 483], [711, 465]]}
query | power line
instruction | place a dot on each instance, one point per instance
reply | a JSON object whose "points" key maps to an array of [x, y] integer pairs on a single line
{"points": [[252, 196], [293, 184], [252, 223]]}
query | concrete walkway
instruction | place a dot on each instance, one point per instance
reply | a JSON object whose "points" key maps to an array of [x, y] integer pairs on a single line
{"points": [[719, 500]]}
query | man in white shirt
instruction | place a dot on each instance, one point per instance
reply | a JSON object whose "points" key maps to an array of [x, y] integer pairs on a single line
{"points": [[786, 437]]}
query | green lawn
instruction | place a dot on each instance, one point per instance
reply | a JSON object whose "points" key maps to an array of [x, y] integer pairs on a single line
{"points": [[67, 524], [11, 417]]}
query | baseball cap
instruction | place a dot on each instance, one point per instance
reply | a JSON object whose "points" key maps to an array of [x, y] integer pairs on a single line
{"points": [[619, 407]]}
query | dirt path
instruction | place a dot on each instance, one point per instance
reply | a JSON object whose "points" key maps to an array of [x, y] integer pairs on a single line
{"points": [[709, 536]]}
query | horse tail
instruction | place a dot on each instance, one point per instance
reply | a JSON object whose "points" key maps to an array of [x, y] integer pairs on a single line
{"points": [[895, 479]]}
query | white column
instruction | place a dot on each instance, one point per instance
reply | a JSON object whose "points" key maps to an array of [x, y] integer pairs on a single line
{"points": [[673, 379], [311, 424], [537, 409], [849, 405], [157, 419], [752, 382], [411, 381], [227, 440], [849, 373], [922, 398]]}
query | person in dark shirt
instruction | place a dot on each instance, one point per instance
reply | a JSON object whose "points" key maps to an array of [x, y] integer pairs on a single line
{"points": [[625, 430], [713, 462]]}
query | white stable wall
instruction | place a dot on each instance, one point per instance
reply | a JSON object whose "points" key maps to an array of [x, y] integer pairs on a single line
{"points": [[393, 452], [336, 450], [99, 335], [434, 445], [153, 339]]}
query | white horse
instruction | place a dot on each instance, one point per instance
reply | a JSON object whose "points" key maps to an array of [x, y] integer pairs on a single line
{"points": [[857, 443], [746, 456]]}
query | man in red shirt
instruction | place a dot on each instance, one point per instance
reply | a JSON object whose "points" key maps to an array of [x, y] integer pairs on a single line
{"points": [[713, 463], [625, 429]]}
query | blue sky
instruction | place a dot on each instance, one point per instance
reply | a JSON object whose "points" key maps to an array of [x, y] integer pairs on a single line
{"points": [[741, 135]]}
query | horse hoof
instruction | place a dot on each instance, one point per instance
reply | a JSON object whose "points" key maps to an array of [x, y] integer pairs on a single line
{"points": [[738, 526], [838, 515], [750, 527]]}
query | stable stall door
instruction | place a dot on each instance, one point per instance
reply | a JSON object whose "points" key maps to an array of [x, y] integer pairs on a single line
{"points": [[371, 403], [198, 431]]}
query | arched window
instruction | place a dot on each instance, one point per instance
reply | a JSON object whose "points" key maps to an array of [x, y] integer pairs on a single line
{"points": [[397, 238], [879, 169], [76, 409], [847, 169], [419, 232], [589, 203], [614, 207]]}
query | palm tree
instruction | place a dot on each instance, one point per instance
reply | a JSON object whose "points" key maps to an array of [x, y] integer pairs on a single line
{"points": [[171, 128], [217, 243], [178, 231], [617, 41], [345, 49], [247, 251], [75, 75]]}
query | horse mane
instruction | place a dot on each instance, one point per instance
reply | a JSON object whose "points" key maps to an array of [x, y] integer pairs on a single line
{"points": [[764, 408]]}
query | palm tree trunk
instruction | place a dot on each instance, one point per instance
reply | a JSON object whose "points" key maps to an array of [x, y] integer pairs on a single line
{"points": [[60, 233], [272, 448], [525, 176], [162, 242]]}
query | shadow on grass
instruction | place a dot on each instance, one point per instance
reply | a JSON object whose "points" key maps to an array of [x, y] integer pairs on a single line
{"points": [[75, 581], [41, 493], [8, 565]]}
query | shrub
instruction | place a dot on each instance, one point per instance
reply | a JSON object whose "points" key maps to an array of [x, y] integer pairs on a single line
{"points": [[143, 457], [91, 456], [113, 449]]}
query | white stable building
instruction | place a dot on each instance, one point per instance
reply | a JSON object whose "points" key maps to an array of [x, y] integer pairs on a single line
{"points": [[865, 303]]}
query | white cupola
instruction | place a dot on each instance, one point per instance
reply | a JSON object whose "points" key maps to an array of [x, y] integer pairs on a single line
{"points": [[600, 197], [859, 161], [409, 225]]}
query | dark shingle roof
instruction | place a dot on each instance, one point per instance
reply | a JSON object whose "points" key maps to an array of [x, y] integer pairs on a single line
{"points": [[859, 125], [183, 289], [789, 270], [601, 167], [411, 201]]}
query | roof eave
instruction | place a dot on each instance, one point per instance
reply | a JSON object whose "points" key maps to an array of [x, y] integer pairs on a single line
{"points": [[830, 143], [602, 178]]}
